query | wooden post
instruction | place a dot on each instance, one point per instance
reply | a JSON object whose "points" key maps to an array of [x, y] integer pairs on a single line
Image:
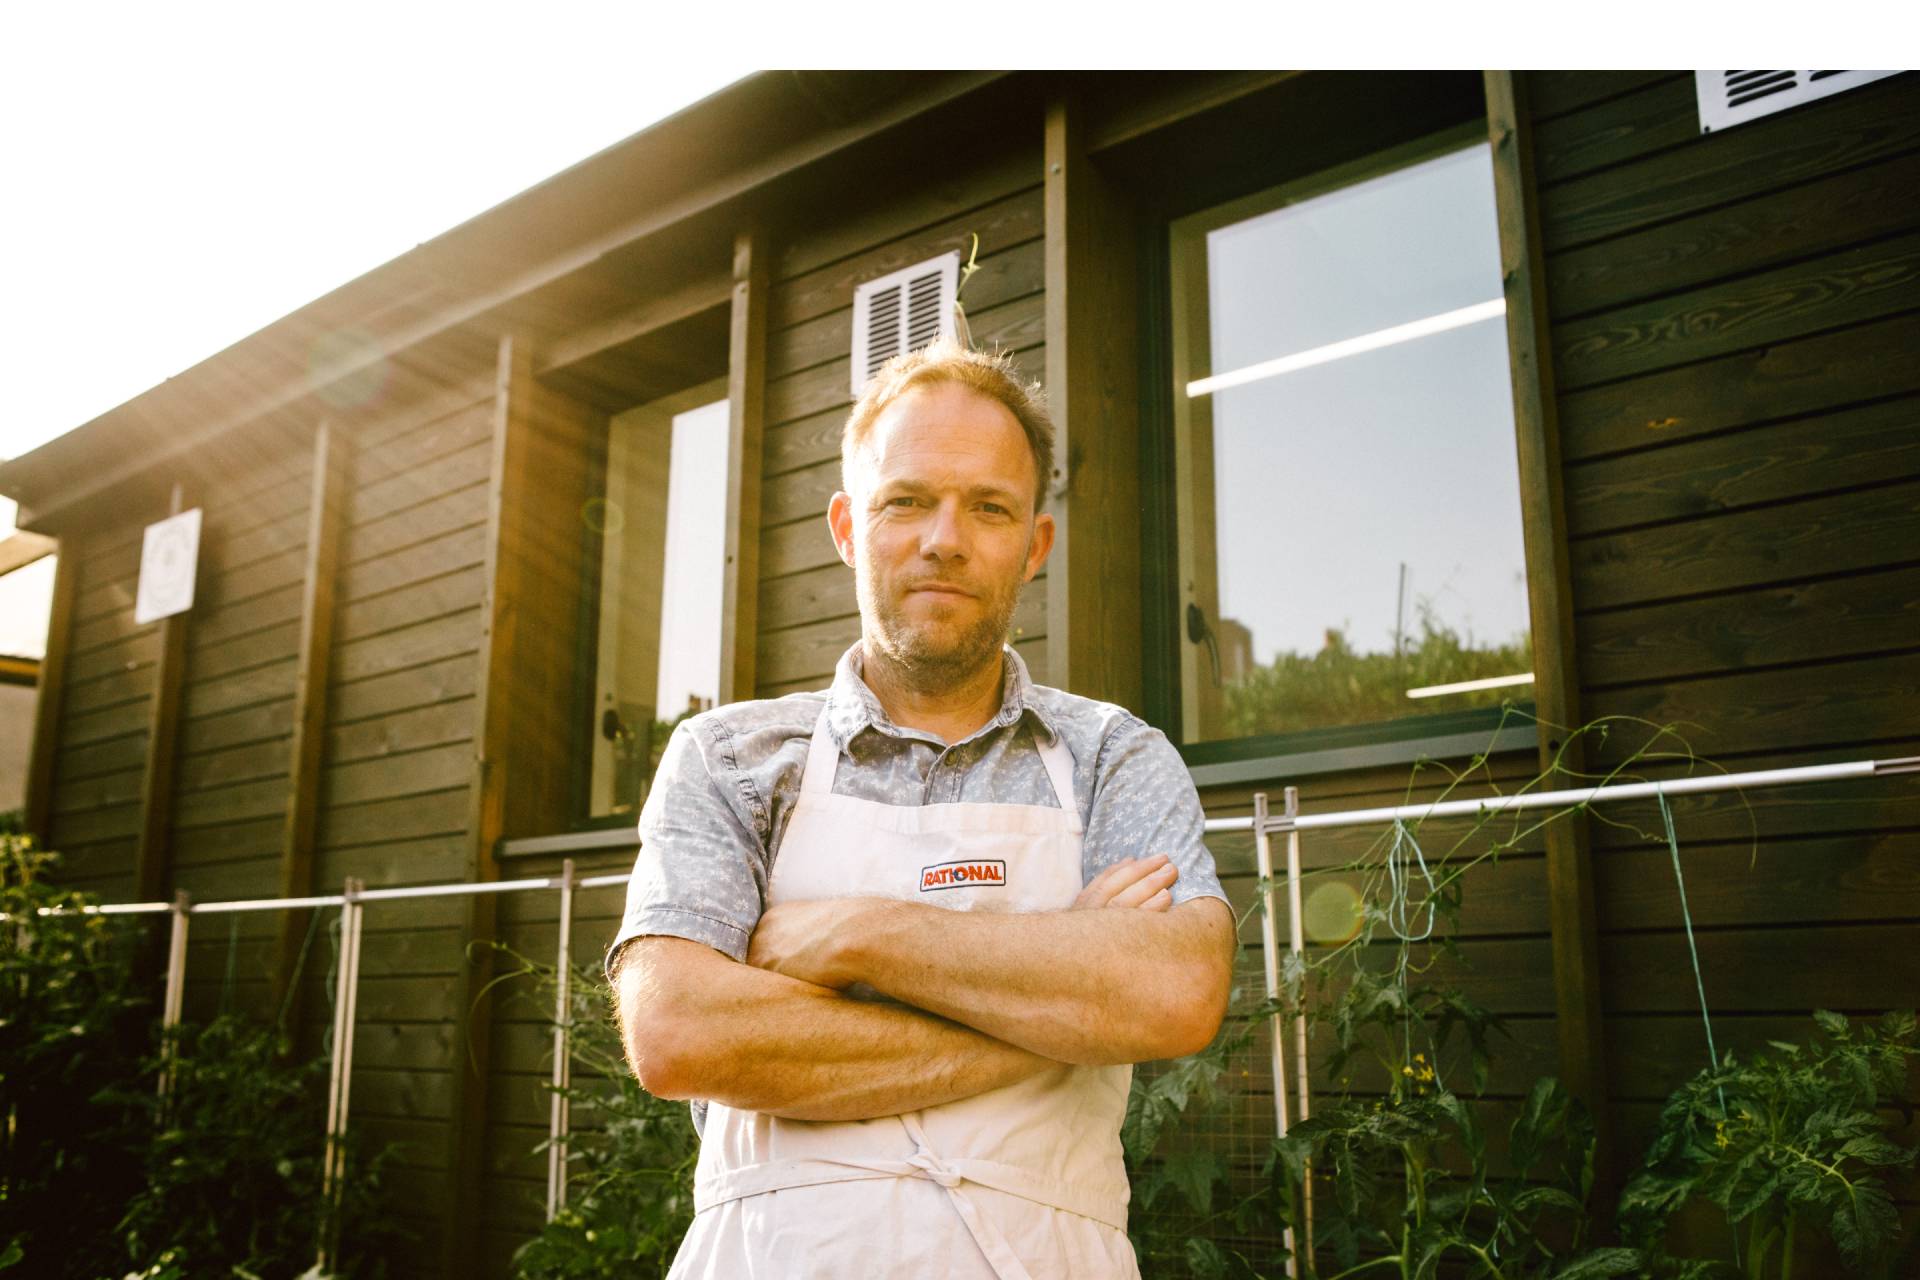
{"points": [[1571, 916], [50, 695], [746, 401], [326, 518], [163, 725], [494, 715], [1093, 620]]}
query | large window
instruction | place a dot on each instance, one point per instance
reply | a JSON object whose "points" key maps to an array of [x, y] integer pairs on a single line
{"points": [[661, 532], [1347, 504]]}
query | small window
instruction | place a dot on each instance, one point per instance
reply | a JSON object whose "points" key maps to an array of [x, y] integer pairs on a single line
{"points": [[661, 528], [1348, 507]]}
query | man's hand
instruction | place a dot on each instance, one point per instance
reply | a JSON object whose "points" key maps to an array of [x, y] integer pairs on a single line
{"points": [[1146, 883], [800, 939]]}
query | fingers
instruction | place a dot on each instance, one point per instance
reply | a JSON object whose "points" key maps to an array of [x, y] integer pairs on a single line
{"points": [[1131, 883], [1149, 886], [1108, 882]]}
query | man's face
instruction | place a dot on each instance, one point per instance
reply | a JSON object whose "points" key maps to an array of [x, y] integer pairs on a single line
{"points": [[940, 529]]}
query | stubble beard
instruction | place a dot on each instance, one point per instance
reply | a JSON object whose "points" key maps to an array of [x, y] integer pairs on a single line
{"points": [[915, 651]]}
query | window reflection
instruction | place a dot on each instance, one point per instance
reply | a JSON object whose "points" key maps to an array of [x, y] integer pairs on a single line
{"points": [[1350, 516]]}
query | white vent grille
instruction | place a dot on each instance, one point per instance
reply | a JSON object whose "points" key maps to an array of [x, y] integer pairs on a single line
{"points": [[902, 312], [1728, 98]]}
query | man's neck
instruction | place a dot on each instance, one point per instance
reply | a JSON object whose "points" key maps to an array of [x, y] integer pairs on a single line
{"points": [[951, 713]]}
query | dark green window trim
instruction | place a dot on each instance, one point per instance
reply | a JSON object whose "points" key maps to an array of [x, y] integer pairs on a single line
{"points": [[1285, 757]]}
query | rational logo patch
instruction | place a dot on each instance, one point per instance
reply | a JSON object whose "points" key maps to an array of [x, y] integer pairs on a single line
{"points": [[963, 875]]}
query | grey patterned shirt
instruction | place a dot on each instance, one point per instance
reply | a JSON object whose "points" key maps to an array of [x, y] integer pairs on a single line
{"points": [[711, 826]]}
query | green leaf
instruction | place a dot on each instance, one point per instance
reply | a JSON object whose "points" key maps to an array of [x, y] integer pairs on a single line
{"points": [[1598, 1264], [1545, 1106], [1194, 1173], [1863, 1224], [1830, 1022], [1204, 1259], [1546, 1197]]}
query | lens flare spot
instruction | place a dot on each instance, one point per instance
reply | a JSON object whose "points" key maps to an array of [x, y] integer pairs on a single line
{"points": [[603, 517], [1331, 913], [346, 369]]}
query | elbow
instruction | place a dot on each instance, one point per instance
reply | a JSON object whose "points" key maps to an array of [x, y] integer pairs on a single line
{"points": [[662, 1043], [662, 1063], [1196, 1007]]}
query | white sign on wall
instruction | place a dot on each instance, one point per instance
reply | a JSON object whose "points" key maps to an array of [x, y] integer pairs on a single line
{"points": [[167, 564]]}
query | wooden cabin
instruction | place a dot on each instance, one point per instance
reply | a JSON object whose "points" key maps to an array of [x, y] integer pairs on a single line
{"points": [[437, 585]]}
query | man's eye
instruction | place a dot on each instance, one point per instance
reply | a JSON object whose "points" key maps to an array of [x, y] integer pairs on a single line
{"points": [[902, 502], [993, 508]]}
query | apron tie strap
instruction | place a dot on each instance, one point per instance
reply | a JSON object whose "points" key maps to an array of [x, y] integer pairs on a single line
{"points": [[934, 1169]]}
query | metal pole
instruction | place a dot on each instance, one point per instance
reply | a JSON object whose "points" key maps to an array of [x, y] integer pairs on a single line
{"points": [[1270, 960], [560, 1117], [1297, 942], [175, 997], [1592, 795], [346, 985]]}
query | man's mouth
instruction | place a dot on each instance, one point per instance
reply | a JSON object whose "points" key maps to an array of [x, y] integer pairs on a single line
{"points": [[940, 589]]}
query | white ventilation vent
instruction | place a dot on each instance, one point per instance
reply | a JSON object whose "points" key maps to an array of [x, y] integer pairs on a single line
{"points": [[902, 312], [1728, 98]]}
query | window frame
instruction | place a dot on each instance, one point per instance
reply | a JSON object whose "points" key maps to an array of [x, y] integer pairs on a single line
{"points": [[586, 657], [1173, 251]]}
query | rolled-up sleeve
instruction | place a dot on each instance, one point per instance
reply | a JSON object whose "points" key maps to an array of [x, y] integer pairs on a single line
{"points": [[1144, 803], [701, 870]]}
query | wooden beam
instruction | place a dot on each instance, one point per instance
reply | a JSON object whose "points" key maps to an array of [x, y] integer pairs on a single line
{"points": [[1139, 115], [1556, 690], [22, 548], [635, 322], [1093, 619], [163, 729], [326, 521], [494, 707], [746, 402], [53, 687]]}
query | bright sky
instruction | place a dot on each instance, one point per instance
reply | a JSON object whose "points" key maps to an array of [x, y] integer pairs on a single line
{"points": [[181, 175]]}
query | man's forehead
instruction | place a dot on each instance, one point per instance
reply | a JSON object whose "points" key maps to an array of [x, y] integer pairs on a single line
{"points": [[950, 429]]}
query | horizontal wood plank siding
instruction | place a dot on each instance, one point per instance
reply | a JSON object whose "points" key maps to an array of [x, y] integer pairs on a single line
{"points": [[1736, 318]]}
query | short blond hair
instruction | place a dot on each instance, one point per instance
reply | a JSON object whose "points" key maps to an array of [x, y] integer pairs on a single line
{"points": [[991, 374]]}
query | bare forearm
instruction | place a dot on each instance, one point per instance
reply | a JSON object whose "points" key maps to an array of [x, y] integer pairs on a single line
{"points": [[1086, 987], [768, 1043]]}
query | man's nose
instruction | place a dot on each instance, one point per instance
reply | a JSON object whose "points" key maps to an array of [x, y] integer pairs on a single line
{"points": [[943, 537]]}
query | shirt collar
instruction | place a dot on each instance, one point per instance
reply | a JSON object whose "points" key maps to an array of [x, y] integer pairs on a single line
{"points": [[852, 706]]}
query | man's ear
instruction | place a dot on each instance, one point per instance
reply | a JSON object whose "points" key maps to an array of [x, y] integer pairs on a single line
{"points": [[840, 523], [1040, 545]]}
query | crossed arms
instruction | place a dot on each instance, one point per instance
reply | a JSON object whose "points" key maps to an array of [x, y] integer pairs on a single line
{"points": [[986, 999]]}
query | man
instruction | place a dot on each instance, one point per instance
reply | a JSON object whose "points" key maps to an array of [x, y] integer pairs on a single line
{"points": [[905, 937]]}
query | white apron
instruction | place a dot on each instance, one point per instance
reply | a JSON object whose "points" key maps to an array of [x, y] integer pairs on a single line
{"points": [[1020, 1183]]}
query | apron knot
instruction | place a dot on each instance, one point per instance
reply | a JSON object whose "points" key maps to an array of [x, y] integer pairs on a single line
{"points": [[934, 1169]]}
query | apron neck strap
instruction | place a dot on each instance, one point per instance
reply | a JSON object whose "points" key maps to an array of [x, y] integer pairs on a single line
{"points": [[1059, 762], [823, 758]]}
